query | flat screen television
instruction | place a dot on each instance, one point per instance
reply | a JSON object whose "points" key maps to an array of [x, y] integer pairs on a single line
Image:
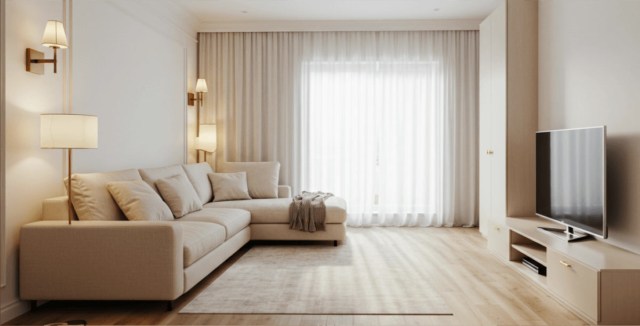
{"points": [[571, 180]]}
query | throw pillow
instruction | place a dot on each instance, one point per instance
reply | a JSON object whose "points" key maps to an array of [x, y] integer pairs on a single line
{"points": [[262, 177], [151, 175], [139, 201], [91, 199], [179, 194], [229, 186]]}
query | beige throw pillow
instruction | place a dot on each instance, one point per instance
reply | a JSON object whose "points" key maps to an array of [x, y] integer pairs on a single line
{"points": [[90, 197], [139, 201], [229, 186], [262, 177], [179, 194], [151, 175]]}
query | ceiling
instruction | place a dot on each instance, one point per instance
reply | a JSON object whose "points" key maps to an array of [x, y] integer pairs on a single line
{"points": [[208, 11]]}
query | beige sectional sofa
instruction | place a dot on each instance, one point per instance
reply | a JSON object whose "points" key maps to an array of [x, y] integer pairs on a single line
{"points": [[112, 258]]}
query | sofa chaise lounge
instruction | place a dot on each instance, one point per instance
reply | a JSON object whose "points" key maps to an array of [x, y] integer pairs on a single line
{"points": [[103, 256]]}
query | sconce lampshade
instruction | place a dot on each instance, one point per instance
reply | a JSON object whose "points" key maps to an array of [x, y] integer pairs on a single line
{"points": [[54, 36], [68, 131], [201, 86], [207, 139]]}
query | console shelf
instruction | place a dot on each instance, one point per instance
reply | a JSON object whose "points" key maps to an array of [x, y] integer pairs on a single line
{"points": [[598, 281], [534, 251]]}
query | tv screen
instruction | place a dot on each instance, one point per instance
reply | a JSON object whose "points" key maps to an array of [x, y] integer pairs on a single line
{"points": [[570, 178]]}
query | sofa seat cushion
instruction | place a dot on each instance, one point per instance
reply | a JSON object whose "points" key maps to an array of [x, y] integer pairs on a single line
{"points": [[276, 210], [199, 238], [232, 219]]}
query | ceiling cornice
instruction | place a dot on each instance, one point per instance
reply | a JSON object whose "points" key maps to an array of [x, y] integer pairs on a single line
{"points": [[339, 25]]}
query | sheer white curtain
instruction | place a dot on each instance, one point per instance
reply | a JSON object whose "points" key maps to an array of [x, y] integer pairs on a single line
{"points": [[387, 120]]}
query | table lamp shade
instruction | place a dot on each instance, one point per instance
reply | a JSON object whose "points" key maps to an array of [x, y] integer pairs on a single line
{"points": [[207, 139], [68, 131]]}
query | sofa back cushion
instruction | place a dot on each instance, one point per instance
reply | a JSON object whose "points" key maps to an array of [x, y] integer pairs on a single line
{"points": [[178, 193], [262, 177], [151, 175], [138, 201], [90, 197], [198, 175]]}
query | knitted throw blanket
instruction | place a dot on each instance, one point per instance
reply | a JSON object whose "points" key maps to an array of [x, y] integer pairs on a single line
{"points": [[307, 211]]}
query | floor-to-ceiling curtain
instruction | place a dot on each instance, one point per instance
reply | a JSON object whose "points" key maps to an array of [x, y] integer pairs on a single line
{"points": [[387, 120]]}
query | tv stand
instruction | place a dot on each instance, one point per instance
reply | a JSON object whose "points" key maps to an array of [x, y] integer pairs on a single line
{"points": [[596, 280], [568, 234]]}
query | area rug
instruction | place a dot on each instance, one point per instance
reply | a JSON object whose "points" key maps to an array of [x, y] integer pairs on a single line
{"points": [[365, 275]]}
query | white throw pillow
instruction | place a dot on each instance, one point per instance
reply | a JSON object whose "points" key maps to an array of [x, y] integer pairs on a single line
{"points": [[139, 201], [229, 186], [179, 194], [198, 175], [262, 177], [90, 197]]}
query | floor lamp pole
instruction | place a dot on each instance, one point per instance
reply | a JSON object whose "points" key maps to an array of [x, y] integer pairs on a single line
{"points": [[70, 204]]}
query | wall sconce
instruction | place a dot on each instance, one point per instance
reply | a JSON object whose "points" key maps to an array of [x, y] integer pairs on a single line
{"points": [[201, 88], [206, 142], [53, 37]]}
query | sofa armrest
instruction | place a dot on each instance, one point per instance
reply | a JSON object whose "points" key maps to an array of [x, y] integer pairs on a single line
{"points": [[284, 192], [56, 208], [101, 260]]}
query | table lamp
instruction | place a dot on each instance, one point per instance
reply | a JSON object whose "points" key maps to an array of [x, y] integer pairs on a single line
{"points": [[68, 131]]}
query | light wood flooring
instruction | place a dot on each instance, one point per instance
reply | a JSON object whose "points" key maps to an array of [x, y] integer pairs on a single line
{"points": [[479, 289]]}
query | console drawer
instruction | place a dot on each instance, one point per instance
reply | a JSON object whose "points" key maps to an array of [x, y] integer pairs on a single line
{"points": [[573, 282]]}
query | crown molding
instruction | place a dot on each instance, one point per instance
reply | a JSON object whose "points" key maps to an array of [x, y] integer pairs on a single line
{"points": [[165, 17], [339, 25]]}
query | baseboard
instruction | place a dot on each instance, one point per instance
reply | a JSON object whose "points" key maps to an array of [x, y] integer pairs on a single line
{"points": [[13, 310]]}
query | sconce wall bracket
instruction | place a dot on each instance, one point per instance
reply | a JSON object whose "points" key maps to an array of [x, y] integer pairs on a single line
{"points": [[35, 61], [191, 99]]}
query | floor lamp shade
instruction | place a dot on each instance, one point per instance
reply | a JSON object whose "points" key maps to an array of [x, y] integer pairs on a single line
{"points": [[68, 131], [207, 139]]}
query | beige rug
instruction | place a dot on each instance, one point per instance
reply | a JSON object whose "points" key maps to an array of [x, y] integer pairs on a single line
{"points": [[365, 275]]}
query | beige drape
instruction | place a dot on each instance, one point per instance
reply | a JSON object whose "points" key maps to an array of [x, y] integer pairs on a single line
{"points": [[253, 85]]}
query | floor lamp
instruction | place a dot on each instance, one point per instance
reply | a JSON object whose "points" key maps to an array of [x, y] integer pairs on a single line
{"points": [[68, 131]]}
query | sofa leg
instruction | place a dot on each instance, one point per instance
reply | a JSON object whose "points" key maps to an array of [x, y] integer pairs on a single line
{"points": [[335, 243], [170, 305], [34, 305]]}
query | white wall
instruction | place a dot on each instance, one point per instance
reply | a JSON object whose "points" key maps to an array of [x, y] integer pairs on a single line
{"points": [[589, 74], [130, 63], [130, 69], [31, 173]]}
